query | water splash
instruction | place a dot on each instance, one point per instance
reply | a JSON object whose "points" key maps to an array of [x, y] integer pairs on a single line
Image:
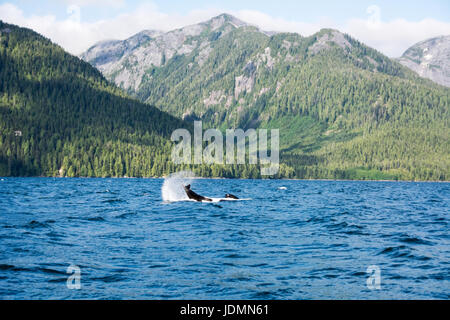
{"points": [[172, 188]]}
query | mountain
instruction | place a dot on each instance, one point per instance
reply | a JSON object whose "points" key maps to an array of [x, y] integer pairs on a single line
{"points": [[430, 59], [126, 62], [108, 52], [225, 63], [60, 117], [344, 110]]}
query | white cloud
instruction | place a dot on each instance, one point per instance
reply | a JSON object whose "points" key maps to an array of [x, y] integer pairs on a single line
{"points": [[96, 3], [394, 37], [390, 37], [76, 36], [269, 23]]}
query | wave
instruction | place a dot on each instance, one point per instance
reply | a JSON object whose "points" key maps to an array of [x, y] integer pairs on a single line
{"points": [[36, 224], [9, 267], [113, 200]]}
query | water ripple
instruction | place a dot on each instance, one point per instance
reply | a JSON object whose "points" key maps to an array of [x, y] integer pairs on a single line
{"points": [[311, 240]]}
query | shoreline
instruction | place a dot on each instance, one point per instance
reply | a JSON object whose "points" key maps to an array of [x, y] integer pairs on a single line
{"points": [[221, 178]]}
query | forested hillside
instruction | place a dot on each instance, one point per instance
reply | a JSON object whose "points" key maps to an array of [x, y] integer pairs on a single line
{"points": [[59, 116]]}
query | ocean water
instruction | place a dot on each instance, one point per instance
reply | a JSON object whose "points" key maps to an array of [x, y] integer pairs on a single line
{"points": [[291, 240]]}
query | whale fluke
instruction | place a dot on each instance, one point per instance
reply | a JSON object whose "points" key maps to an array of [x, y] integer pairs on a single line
{"points": [[192, 195]]}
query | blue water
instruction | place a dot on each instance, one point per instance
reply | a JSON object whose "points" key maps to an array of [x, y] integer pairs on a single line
{"points": [[313, 240]]}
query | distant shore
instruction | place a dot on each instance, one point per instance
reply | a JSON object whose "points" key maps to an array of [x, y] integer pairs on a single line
{"points": [[221, 178]]}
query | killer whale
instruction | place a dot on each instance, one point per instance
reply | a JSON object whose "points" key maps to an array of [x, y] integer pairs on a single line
{"points": [[195, 196], [192, 195]]}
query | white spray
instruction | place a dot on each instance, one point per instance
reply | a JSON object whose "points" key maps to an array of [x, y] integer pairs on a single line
{"points": [[172, 188]]}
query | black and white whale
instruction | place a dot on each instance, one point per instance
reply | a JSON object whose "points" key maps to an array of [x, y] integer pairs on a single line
{"points": [[192, 195], [195, 196]]}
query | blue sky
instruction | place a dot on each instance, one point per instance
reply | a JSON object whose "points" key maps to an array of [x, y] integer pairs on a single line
{"points": [[77, 24], [307, 11]]}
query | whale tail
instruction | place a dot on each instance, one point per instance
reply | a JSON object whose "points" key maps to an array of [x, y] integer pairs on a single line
{"points": [[194, 196]]}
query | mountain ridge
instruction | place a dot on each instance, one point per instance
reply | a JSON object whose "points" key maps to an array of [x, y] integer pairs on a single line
{"points": [[166, 48], [430, 59]]}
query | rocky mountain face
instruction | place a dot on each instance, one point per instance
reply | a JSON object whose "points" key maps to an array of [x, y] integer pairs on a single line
{"points": [[106, 53], [430, 59], [224, 64], [126, 62]]}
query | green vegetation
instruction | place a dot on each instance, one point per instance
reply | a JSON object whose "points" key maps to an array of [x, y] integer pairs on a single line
{"points": [[342, 113], [344, 110], [60, 117], [69, 120]]}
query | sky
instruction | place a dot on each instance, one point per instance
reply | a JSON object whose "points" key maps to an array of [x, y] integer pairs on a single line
{"points": [[388, 26]]}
